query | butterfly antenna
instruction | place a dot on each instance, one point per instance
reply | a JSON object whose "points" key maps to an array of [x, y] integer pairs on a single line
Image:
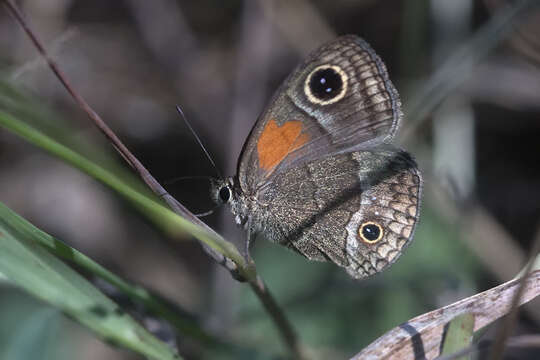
{"points": [[199, 141]]}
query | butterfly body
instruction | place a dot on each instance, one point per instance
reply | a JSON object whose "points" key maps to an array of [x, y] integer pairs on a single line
{"points": [[318, 173]]}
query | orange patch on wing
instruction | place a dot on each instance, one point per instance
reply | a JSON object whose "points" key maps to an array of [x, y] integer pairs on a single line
{"points": [[278, 141]]}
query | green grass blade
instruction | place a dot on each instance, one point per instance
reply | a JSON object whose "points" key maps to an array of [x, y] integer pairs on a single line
{"points": [[28, 265]]}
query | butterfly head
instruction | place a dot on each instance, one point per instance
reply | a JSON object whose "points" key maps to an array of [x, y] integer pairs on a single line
{"points": [[227, 191], [222, 190]]}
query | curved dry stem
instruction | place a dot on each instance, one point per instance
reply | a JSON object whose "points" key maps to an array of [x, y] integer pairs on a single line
{"points": [[421, 336]]}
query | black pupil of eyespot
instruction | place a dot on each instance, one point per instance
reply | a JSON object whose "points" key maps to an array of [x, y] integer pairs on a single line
{"points": [[224, 194], [371, 232], [325, 84]]}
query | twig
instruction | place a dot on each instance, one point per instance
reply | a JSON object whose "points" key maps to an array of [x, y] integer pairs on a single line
{"points": [[239, 269]]}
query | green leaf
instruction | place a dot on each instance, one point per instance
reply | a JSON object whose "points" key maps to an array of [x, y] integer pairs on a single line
{"points": [[25, 263], [459, 335]]}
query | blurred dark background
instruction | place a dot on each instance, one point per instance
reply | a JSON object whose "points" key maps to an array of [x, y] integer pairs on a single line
{"points": [[134, 60]]}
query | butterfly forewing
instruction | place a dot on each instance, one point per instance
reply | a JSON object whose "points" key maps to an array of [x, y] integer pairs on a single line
{"points": [[301, 123]]}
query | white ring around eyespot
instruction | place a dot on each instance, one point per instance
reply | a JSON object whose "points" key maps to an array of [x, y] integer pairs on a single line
{"points": [[344, 80]]}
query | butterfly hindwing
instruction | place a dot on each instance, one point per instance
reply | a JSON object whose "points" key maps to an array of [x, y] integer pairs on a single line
{"points": [[340, 204]]}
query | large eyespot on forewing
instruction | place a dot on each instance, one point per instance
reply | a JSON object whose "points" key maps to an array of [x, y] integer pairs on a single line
{"points": [[345, 88], [326, 84]]}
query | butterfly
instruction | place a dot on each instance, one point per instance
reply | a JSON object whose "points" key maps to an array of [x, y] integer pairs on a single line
{"points": [[318, 172]]}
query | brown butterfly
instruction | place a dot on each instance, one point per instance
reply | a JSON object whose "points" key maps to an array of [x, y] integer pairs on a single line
{"points": [[318, 173]]}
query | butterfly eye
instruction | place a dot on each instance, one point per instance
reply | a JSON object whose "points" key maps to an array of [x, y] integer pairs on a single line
{"points": [[326, 85], [370, 232], [224, 194]]}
